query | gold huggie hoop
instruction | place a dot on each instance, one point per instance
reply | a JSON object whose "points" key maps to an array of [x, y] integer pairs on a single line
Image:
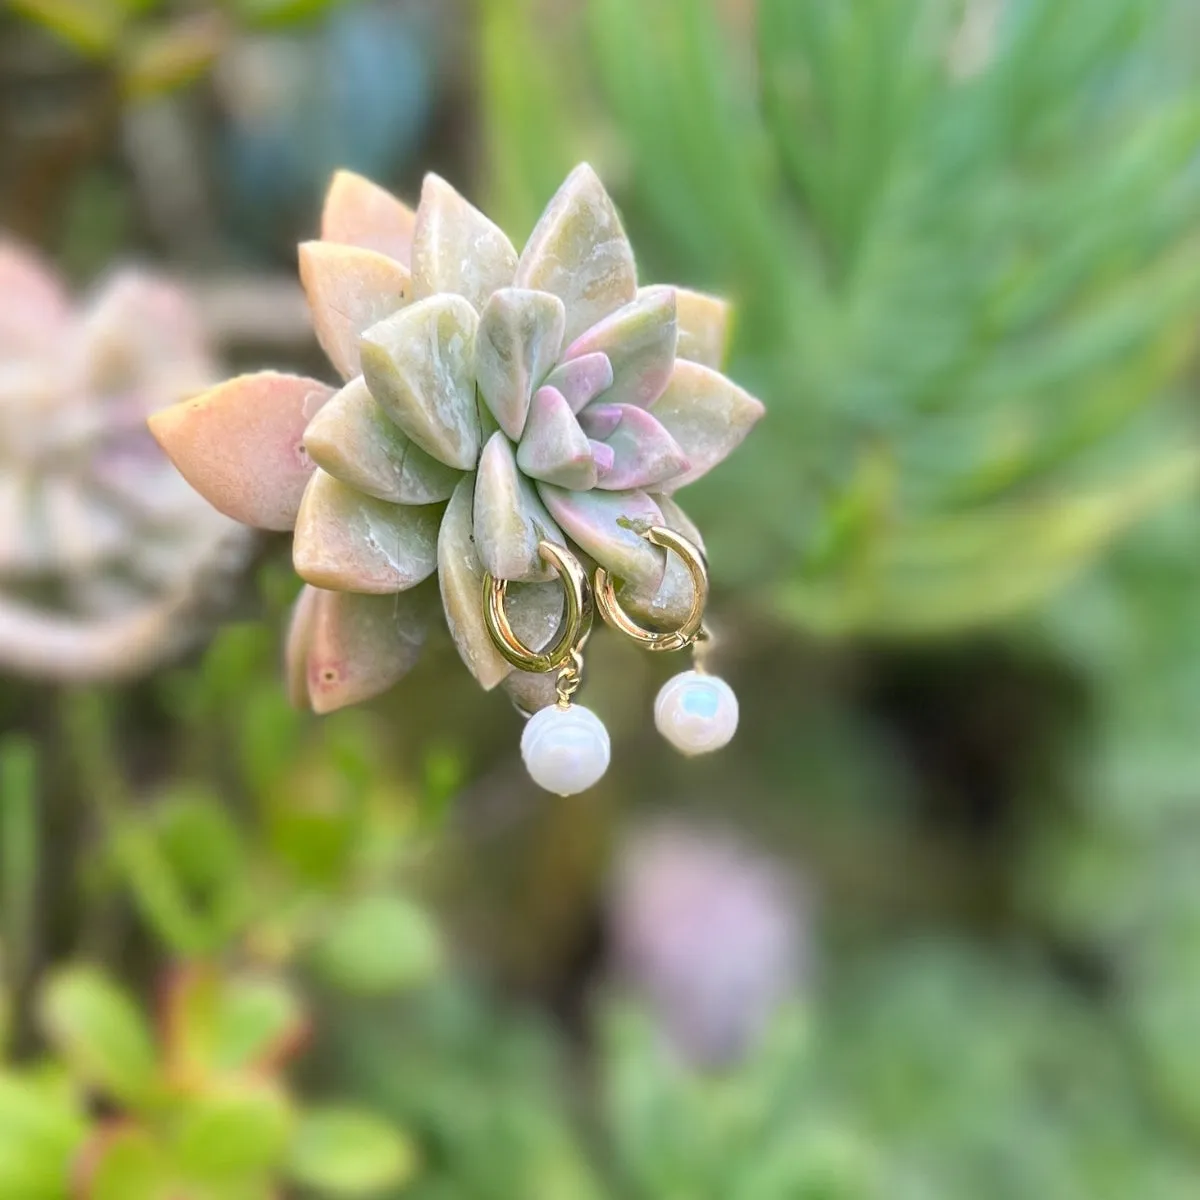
{"points": [[577, 621], [692, 628]]}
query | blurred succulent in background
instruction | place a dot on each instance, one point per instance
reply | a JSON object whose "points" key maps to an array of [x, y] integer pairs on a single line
{"points": [[105, 560], [709, 935], [542, 395], [204, 1114]]}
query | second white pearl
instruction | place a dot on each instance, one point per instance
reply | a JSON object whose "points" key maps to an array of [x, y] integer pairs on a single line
{"points": [[696, 713], [566, 750]]}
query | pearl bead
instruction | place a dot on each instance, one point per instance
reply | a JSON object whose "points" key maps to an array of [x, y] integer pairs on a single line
{"points": [[696, 713], [566, 750]]}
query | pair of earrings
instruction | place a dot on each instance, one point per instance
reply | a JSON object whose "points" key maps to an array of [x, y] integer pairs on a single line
{"points": [[566, 746]]}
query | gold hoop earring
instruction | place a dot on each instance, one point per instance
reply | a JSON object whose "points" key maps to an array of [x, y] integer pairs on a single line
{"points": [[577, 620], [565, 747], [695, 711], [692, 627]]}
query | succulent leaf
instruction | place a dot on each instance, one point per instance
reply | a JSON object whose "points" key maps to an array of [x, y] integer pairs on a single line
{"points": [[644, 453], [350, 289], [142, 330], [297, 644], [535, 609], [240, 444], [554, 448], [349, 542], [510, 520], [707, 414], [608, 526], [578, 250], [362, 645], [639, 340], [420, 365], [582, 379], [703, 327], [599, 421], [603, 456], [358, 212], [520, 336], [456, 249], [669, 604], [357, 442]]}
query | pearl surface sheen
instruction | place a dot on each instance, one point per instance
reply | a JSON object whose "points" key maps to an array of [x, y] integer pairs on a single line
{"points": [[696, 713], [566, 750]]}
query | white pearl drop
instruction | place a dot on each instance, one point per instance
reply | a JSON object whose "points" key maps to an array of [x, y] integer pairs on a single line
{"points": [[696, 713], [566, 750]]}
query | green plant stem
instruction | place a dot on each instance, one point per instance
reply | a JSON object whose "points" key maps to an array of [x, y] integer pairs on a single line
{"points": [[89, 733], [19, 852]]}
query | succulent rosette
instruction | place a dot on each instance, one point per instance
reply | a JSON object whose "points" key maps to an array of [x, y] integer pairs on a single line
{"points": [[101, 543], [491, 400]]}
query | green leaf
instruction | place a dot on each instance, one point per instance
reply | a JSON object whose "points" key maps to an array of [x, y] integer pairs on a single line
{"points": [[280, 12], [379, 944], [349, 1152], [218, 1026], [172, 55], [238, 1133], [92, 27], [96, 1026], [41, 1131], [131, 1166]]}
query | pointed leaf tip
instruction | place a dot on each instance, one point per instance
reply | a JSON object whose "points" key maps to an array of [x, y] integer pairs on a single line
{"points": [[579, 252], [350, 289], [704, 323], [457, 249], [360, 213], [240, 444], [707, 414]]}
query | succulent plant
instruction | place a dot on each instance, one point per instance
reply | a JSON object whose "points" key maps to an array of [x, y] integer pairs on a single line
{"points": [[102, 549], [491, 400]]}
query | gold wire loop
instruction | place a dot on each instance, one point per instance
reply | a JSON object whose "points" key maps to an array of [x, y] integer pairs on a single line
{"points": [[577, 620], [651, 639]]}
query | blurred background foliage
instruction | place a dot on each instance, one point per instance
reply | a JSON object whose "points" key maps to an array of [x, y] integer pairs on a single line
{"points": [[248, 953]]}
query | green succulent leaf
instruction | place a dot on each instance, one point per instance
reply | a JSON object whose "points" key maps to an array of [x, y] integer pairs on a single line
{"points": [[234, 1133], [41, 1131], [379, 944], [349, 1152], [219, 1026], [98, 1029], [130, 1165]]}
